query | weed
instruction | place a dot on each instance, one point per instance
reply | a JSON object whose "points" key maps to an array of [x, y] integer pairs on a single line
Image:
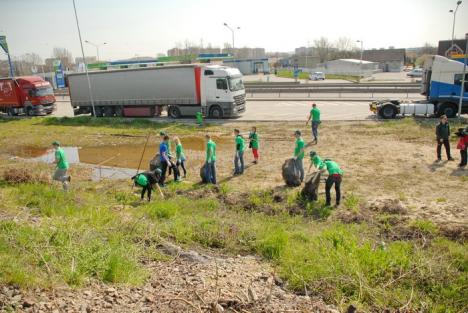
{"points": [[352, 202]]}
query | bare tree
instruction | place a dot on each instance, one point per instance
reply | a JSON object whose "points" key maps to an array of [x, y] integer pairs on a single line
{"points": [[64, 55], [427, 49], [323, 47], [32, 58]]}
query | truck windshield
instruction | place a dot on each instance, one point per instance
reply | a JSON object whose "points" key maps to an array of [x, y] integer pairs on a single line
{"points": [[236, 84], [41, 92]]}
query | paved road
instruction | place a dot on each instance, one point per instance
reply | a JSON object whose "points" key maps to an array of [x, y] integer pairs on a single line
{"points": [[280, 110]]}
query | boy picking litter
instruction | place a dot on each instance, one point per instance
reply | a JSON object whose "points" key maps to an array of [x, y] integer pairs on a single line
{"points": [[147, 180]]}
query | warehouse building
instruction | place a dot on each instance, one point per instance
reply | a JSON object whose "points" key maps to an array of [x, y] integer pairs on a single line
{"points": [[389, 60], [351, 67], [250, 66]]}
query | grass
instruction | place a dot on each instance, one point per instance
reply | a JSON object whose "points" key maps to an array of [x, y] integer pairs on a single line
{"points": [[290, 74]]}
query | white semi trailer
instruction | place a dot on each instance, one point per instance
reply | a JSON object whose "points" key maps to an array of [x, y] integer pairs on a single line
{"points": [[440, 84], [216, 91]]}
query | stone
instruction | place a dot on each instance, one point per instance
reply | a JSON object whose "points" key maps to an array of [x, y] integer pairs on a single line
{"points": [[252, 295], [27, 303]]}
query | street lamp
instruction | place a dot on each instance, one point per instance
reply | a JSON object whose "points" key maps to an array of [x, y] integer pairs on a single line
{"points": [[96, 46], [462, 87], [232, 31], [84, 60], [454, 16], [360, 62]]}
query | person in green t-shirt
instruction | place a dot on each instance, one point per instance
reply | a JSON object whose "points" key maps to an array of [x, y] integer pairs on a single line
{"points": [[253, 137], [239, 153], [62, 166], [210, 164], [335, 176], [315, 160], [315, 116], [299, 153], [180, 156]]}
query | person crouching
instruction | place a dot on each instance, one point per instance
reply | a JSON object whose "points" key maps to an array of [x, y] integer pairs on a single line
{"points": [[147, 180]]}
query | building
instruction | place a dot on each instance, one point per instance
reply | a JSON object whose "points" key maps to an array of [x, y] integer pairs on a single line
{"points": [[305, 61], [79, 60], [302, 51], [250, 66], [389, 60], [351, 67], [192, 51]]}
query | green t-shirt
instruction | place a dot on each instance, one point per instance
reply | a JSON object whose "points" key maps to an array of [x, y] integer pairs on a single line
{"points": [[180, 155], [240, 142], [317, 161], [333, 168], [210, 147], [299, 146], [315, 113], [61, 159], [254, 140]]}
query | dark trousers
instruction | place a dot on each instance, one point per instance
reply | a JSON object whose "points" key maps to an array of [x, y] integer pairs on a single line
{"points": [[446, 144], [181, 164], [336, 180], [315, 126], [148, 188], [463, 156], [164, 167]]}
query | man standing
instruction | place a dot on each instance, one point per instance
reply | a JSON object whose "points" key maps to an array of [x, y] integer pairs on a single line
{"points": [[210, 164], [299, 153], [335, 175], [443, 134], [62, 166], [164, 157], [315, 116], [239, 156]]}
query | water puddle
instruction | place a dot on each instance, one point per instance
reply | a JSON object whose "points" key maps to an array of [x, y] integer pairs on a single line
{"points": [[121, 161]]}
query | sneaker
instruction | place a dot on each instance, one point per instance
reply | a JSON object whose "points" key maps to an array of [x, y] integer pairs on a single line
{"points": [[438, 160], [69, 178], [451, 159]]}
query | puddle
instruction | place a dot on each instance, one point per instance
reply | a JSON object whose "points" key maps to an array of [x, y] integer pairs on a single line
{"points": [[120, 161]]}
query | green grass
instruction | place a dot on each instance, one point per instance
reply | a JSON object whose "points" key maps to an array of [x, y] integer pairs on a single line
{"points": [[290, 74]]}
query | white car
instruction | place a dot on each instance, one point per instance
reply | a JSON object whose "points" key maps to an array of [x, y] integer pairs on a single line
{"points": [[317, 76], [417, 72]]}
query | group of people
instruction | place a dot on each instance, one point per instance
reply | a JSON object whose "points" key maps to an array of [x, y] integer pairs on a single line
{"points": [[174, 163]]}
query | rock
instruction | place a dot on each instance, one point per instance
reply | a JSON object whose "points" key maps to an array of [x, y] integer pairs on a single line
{"points": [[351, 309], [27, 303], [290, 172], [88, 293], [252, 295], [110, 290], [216, 307]]}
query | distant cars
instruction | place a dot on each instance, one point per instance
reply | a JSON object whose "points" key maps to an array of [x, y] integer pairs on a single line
{"points": [[417, 72], [317, 76]]}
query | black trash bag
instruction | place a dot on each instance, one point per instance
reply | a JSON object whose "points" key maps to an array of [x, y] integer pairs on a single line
{"points": [[155, 163], [291, 174], [202, 174], [310, 190]]}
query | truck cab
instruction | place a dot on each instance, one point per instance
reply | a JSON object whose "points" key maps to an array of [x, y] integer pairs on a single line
{"points": [[28, 94], [441, 84], [223, 91]]}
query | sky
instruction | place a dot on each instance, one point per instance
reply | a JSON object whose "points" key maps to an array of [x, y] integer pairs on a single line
{"points": [[148, 27]]}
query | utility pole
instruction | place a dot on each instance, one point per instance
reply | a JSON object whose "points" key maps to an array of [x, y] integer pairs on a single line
{"points": [[462, 87], [84, 60], [360, 62], [96, 46], [232, 31]]}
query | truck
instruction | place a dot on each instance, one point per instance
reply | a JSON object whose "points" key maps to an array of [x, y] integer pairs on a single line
{"points": [[441, 83], [30, 95], [183, 90]]}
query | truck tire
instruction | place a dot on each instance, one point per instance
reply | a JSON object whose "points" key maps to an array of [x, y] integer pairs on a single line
{"points": [[388, 111], [449, 109], [118, 111], [29, 111], [99, 111], [216, 112], [11, 112], [174, 112], [109, 111]]}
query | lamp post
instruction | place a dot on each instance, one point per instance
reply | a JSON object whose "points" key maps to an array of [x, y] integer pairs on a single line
{"points": [[462, 87], [84, 60], [232, 31], [454, 16], [360, 61], [96, 46]]}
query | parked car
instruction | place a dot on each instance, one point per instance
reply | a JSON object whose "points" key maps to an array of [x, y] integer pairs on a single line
{"points": [[317, 76], [417, 72]]}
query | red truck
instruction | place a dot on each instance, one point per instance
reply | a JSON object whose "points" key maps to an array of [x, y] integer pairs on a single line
{"points": [[30, 95]]}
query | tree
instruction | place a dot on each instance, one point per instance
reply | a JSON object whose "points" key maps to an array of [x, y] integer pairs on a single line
{"points": [[64, 55], [323, 47], [427, 49], [345, 48], [32, 58]]}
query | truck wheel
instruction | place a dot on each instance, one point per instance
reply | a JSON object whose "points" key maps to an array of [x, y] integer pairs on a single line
{"points": [[216, 112], [448, 109], [118, 111], [11, 112], [29, 111], [109, 111], [98, 111], [174, 112], [388, 111]]}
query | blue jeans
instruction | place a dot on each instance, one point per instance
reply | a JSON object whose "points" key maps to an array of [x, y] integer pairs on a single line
{"points": [[300, 167], [210, 172], [239, 158], [315, 126]]}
